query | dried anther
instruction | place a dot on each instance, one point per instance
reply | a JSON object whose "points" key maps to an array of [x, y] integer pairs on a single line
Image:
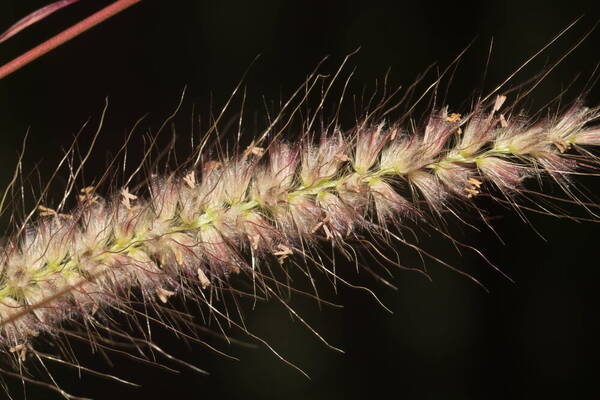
{"points": [[164, 294], [341, 157], [472, 187], [323, 224], [454, 117], [562, 146], [127, 198], [190, 179], [283, 253], [498, 103], [21, 349], [46, 212], [253, 150], [204, 281], [49, 212]]}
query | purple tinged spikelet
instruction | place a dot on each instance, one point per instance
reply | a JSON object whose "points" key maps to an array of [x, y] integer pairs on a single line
{"points": [[196, 228]]}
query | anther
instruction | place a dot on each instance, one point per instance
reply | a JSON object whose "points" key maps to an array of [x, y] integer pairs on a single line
{"points": [[127, 198], [454, 117], [204, 281], [164, 294], [190, 179], [283, 253]]}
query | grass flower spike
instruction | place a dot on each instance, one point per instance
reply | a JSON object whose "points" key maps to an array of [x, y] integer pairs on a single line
{"points": [[229, 215], [242, 221]]}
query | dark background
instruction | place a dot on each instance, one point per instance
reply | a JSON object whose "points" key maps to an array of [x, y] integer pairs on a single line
{"points": [[448, 339]]}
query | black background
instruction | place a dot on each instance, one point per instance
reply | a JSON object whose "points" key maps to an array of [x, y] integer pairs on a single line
{"points": [[447, 339]]}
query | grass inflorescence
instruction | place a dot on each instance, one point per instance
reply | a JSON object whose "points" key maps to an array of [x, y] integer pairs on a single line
{"points": [[261, 207], [262, 212]]}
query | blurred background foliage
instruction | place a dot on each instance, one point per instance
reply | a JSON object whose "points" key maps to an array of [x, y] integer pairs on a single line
{"points": [[447, 339]]}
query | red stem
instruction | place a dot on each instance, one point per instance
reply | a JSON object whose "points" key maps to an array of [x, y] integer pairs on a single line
{"points": [[65, 36]]}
